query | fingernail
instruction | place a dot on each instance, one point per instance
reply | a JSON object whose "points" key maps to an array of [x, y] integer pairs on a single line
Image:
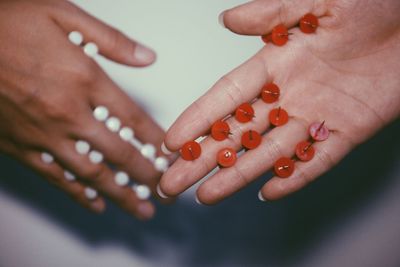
{"points": [[146, 210], [165, 150], [221, 19], [260, 197], [144, 54], [160, 192], [198, 201]]}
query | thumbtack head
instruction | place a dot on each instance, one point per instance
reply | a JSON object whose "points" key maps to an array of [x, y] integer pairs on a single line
{"points": [[284, 167], [226, 157], [191, 151]]}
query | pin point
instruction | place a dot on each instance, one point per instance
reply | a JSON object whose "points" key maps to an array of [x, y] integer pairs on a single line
{"points": [[191, 151], [244, 113], [226, 157], [305, 151], [284, 167], [318, 131], [251, 139], [309, 23], [220, 130], [278, 117], [270, 93]]}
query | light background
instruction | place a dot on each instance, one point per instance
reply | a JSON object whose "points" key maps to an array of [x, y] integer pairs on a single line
{"points": [[350, 217]]}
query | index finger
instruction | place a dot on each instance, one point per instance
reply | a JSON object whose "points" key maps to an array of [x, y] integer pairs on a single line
{"points": [[241, 85]]}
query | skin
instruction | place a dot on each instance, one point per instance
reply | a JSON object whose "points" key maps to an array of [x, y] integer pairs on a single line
{"points": [[347, 74], [48, 90]]}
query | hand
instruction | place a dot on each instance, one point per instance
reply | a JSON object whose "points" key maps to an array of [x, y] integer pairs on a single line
{"points": [[48, 91], [346, 74]]}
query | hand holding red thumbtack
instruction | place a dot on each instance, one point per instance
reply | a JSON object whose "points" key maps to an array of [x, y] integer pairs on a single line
{"points": [[321, 75]]}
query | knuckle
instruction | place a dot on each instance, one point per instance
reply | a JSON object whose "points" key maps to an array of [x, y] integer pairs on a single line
{"points": [[126, 156], [115, 39], [237, 130], [232, 90], [85, 73], [241, 176], [91, 172], [273, 148], [324, 159], [209, 195], [30, 94], [172, 185], [137, 117], [56, 109], [305, 177], [198, 109]]}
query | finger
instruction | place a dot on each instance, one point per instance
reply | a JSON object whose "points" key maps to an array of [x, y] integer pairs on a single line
{"points": [[55, 174], [110, 95], [241, 85], [183, 174], [102, 178], [279, 142], [260, 16], [327, 155], [119, 152], [112, 43]]}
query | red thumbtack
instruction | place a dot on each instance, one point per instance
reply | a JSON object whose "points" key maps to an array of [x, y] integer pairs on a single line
{"points": [[267, 38], [284, 167], [309, 23], [278, 117], [251, 139], [280, 35], [191, 151], [270, 93], [244, 113], [318, 131], [305, 151], [220, 130], [226, 157]]}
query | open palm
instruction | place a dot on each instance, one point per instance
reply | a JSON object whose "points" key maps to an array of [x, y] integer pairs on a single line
{"points": [[346, 74]]}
